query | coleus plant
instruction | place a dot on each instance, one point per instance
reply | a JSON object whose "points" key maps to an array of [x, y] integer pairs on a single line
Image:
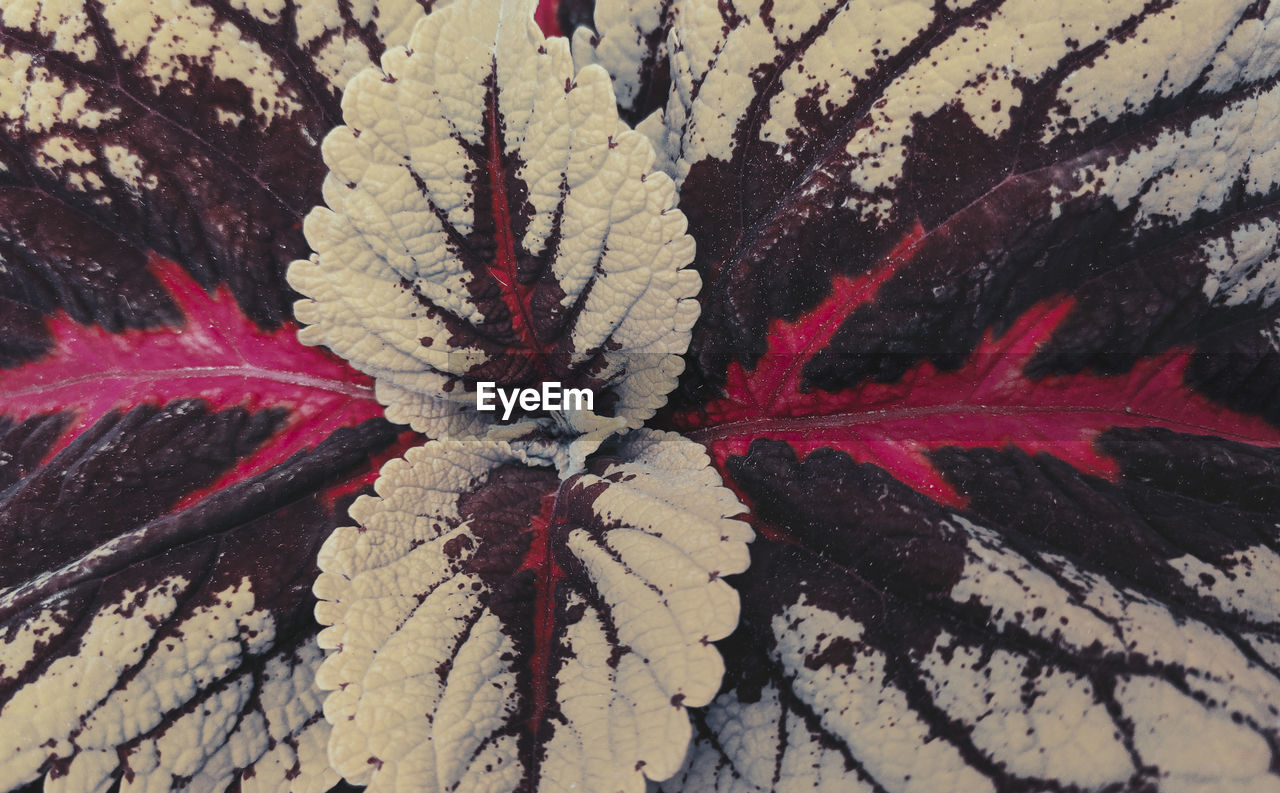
{"points": [[986, 342]]}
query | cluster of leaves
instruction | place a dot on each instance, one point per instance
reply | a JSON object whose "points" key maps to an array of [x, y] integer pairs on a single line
{"points": [[490, 219], [984, 334]]}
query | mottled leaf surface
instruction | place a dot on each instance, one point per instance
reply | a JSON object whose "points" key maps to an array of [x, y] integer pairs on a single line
{"points": [[988, 345], [497, 629], [628, 39], [163, 493], [190, 129], [1029, 156], [146, 636], [490, 219], [1064, 632], [170, 456]]}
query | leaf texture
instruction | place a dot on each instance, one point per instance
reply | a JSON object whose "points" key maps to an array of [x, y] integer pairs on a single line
{"points": [[1026, 158], [1065, 632], [987, 344], [172, 456], [490, 219], [628, 38], [145, 641], [189, 129], [151, 642], [498, 629]]}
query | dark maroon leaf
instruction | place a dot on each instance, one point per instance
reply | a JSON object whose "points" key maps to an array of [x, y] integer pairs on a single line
{"points": [[987, 341], [157, 641], [573, 14], [162, 496], [1066, 633], [191, 130], [172, 457], [1038, 161]]}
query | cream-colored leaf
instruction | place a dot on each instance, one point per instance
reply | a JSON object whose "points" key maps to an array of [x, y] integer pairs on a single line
{"points": [[489, 218], [497, 629]]}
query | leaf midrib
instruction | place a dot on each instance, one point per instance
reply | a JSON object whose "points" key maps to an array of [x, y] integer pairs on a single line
{"points": [[149, 375], [763, 426]]}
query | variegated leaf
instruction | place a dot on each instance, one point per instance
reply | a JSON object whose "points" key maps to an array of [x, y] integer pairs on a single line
{"points": [[190, 129], [1064, 633], [490, 219], [1001, 253], [153, 636], [496, 629], [628, 38], [170, 456], [1026, 153]]}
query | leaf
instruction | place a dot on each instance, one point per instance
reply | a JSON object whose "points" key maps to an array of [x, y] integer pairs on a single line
{"points": [[1072, 160], [571, 14], [983, 270], [490, 219], [171, 455], [162, 497], [986, 341], [499, 629], [146, 638], [628, 38], [1064, 631], [989, 295], [187, 129]]}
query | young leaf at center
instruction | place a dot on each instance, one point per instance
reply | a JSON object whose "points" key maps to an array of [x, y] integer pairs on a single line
{"points": [[489, 219], [499, 630]]}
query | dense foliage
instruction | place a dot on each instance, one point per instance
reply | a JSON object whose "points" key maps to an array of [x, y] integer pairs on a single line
{"points": [[984, 367]]}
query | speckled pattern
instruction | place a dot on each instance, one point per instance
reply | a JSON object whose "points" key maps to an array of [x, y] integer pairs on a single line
{"points": [[1062, 633], [985, 342], [497, 629], [152, 638], [488, 218], [1042, 154], [189, 129]]}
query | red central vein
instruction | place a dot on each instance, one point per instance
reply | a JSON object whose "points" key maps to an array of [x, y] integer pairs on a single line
{"points": [[157, 375], [217, 355], [540, 558], [809, 333], [988, 402], [515, 295], [835, 422]]}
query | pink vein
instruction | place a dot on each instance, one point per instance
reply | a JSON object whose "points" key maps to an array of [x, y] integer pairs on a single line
{"points": [[356, 390]]}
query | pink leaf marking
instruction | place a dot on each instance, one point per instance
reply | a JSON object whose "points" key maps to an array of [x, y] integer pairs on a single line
{"points": [[218, 354], [987, 402]]}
